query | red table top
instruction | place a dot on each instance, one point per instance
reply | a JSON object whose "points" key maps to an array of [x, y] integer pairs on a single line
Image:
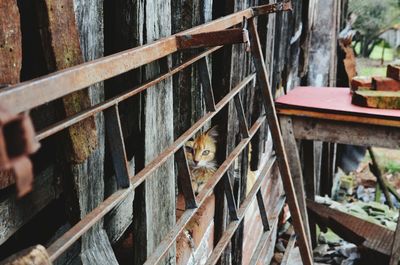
{"points": [[336, 100]]}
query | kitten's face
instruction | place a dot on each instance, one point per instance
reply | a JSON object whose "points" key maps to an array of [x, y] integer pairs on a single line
{"points": [[201, 151]]}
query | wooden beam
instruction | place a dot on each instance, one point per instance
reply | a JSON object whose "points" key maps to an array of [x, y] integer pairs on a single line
{"points": [[345, 132]]}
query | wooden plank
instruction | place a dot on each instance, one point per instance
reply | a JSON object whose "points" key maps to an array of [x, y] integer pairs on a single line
{"points": [[289, 249], [345, 132], [10, 44], [232, 226], [395, 250], [87, 171], [119, 219], [308, 159], [278, 144], [393, 71], [60, 38], [292, 152], [360, 82], [16, 213], [353, 229], [10, 59], [117, 146], [155, 201], [340, 117], [385, 84], [377, 99], [267, 235], [222, 83]]}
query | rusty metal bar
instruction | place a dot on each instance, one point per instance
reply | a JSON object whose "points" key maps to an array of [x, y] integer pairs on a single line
{"points": [[267, 234], [232, 226], [272, 8], [268, 101], [185, 180], [169, 239], [205, 80], [117, 146], [66, 240], [241, 117], [263, 212], [209, 39], [230, 198], [152, 166], [57, 248], [59, 126], [31, 94]]}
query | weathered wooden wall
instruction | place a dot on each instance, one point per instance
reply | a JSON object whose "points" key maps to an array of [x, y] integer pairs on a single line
{"points": [[150, 122]]}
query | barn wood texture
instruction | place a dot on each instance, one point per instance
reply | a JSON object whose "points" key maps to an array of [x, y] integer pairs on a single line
{"points": [[126, 26], [11, 60]]}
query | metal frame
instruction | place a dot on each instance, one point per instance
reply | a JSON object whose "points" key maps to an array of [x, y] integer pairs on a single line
{"points": [[25, 96]]}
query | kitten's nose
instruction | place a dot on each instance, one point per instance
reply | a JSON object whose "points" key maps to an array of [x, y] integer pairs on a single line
{"points": [[195, 162]]}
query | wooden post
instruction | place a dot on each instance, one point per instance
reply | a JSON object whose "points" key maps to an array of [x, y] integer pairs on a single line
{"points": [[154, 205], [278, 145], [295, 167]]}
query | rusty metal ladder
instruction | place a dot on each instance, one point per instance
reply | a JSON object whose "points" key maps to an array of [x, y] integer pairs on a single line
{"points": [[201, 38]]}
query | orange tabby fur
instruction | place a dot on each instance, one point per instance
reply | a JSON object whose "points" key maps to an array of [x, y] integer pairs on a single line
{"points": [[200, 154]]}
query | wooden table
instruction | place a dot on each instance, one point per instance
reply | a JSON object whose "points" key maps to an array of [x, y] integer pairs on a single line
{"points": [[326, 114]]}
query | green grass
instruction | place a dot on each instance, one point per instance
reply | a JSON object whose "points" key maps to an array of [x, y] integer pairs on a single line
{"points": [[372, 71], [376, 53], [392, 167]]}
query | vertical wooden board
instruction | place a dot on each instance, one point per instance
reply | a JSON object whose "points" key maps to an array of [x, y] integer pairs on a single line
{"points": [[189, 104], [10, 43], [60, 39], [322, 37], [156, 212], [10, 59], [87, 177]]}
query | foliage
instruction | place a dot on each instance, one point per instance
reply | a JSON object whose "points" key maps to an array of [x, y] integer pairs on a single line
{"points": [[392, 167], [373, 18]]}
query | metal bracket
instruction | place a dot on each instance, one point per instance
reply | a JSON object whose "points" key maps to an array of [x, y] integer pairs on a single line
{"points": [[17, 142], [272, 8]]}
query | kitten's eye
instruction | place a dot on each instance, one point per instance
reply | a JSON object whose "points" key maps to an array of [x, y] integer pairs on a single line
{"points": [[188, 149], [205, 152]]}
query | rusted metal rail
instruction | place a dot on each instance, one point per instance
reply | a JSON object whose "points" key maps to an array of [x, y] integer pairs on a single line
{"points": [[26, 96]]}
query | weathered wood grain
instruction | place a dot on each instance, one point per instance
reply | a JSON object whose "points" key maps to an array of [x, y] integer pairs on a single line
{"points": [[155, 213], [15, 213], [295, 166], [393, 71], [385, 83], [345, 132], [10, 43], [10, 59], [377, 99], [60, 39]]}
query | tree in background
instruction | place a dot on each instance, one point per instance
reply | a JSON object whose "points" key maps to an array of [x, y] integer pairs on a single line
{"points": [[373, 18]]}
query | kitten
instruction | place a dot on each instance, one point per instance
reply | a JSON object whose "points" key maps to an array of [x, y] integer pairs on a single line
{"points": [[200, 154]]}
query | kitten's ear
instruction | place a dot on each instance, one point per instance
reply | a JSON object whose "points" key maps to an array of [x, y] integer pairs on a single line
{"points": [[213, 132]]}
